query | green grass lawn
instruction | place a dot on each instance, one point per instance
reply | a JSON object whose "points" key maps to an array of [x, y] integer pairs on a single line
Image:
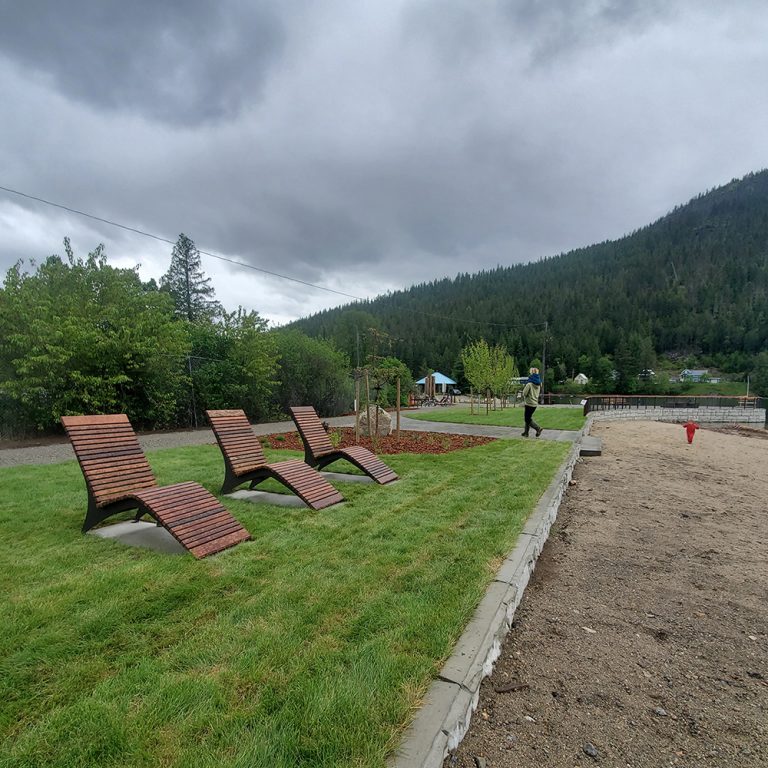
{"points": [[310, 645], [728, 388], [547, 417]]}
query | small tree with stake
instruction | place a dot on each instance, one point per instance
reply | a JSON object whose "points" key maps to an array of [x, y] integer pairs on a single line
{"points": [[488, 369]]}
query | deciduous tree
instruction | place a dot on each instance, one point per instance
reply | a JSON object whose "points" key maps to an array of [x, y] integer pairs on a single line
{"points": [[312, 372], [79, 336], [234, 364]]}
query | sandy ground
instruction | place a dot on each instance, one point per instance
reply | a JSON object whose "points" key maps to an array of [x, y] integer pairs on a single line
{"points": [[642, 639]]}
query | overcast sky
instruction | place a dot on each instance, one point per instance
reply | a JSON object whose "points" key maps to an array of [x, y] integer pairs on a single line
{"points": [[365, 146]]}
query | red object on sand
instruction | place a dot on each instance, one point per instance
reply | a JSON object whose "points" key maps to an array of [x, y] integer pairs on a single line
{"points": [[690, 428]]}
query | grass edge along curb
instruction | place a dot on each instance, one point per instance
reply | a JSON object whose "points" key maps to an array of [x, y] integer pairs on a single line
{"points": [[443, 720]]}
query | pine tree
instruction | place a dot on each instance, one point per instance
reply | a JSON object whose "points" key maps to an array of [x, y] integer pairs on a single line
{"points": [[191, 290]]}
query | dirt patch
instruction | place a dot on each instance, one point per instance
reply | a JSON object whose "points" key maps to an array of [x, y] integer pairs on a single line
{"points": [[642, 639], [408, 442]]}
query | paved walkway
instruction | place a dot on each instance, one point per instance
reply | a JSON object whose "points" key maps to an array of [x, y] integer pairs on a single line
{"points": [[55, 452]]}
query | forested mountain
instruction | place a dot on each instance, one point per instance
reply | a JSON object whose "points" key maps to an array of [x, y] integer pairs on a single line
{"points": [[695, 282]]}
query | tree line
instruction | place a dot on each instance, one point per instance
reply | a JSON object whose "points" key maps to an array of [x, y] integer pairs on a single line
{"points": [[80, 336]]}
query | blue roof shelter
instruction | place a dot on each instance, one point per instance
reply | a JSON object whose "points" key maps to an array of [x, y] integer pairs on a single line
{"points": [[441, 382]]}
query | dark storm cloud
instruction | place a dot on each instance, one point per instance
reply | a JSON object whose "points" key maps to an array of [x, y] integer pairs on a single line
{"points": [[181, 62], [557, 28], [542, 32], [369, 145]]}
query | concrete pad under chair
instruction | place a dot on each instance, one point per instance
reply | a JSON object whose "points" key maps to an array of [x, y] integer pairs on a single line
{"points": [[266, 497], [141, 534], [345, 477]]}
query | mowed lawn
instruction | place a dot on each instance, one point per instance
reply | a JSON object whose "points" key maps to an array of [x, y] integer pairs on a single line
{"points": [[549, 417], [310, 645]]}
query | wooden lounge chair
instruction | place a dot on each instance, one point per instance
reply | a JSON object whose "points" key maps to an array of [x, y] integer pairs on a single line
{"points": [[319, 452], [119, 478], [244, 461]]}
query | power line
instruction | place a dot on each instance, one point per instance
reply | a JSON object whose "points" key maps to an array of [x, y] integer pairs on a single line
{"points": [[451, 318], [173, 242]]}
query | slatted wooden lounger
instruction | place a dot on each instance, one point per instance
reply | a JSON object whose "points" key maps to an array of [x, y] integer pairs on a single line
{"points": [[244, 461], [319, 452], [119, 478]]}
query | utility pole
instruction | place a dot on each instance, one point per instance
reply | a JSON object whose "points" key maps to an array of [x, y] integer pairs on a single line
{"points": [[357, 345], [357, 387]]}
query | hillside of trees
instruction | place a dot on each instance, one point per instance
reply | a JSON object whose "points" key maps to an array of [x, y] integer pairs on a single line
{"points": [[692, 284]]}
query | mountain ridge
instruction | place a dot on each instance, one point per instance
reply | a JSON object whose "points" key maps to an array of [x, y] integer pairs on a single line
{"points": [[695, 279]]}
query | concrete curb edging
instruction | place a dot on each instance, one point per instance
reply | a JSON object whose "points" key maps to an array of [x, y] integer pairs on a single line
{"points": [[443, 719]]}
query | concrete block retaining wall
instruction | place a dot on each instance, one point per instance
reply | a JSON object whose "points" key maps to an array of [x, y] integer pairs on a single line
{"points": [[703, 414]]}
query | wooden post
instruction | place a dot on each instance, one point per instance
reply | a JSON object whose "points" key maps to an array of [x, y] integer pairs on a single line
{"points": [[357, 410], [398, 408], [368, 401], [192, 389], [371, 434]]}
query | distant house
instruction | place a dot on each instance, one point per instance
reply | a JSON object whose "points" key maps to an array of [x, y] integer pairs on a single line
{"points": [[443, 384], [694, 375], [580, 378], [646, 374]]}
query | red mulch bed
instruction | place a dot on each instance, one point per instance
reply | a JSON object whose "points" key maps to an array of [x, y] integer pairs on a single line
{"points": [[409, 442]]}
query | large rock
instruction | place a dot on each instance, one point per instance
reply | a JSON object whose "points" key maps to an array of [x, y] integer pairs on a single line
{"points": [[384, 421]]}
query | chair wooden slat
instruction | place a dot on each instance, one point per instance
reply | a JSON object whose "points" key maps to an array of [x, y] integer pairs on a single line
{"points": [[119, 478], [244, 461], [319, 451]]}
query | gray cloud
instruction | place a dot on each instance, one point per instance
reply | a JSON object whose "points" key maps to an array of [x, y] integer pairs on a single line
{"points": [[371, 145], [183, 63]]}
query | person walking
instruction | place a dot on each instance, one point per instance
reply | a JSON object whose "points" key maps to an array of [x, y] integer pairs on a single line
{"points": [[531, 400]]}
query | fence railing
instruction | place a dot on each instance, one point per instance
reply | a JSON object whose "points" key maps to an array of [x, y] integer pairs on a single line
{"points": [[617, 402], [559, 398]]}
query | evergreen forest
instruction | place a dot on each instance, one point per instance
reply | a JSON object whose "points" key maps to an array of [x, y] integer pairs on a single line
{"points": [[693, 287]]}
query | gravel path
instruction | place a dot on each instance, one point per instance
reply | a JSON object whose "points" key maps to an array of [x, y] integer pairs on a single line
{"points": [[55, 451]]}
